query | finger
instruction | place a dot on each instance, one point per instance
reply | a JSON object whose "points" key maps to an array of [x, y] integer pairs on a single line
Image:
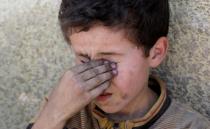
{"points": [[91, 73], [85, 66], [98, 80], [97, 91]]}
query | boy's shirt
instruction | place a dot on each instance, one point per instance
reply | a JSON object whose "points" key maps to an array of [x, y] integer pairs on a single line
{"points": [[160, 106], [165, 114]]}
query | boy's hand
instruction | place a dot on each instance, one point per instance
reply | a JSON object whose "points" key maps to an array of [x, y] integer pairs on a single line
{"points": [[77, 88]]}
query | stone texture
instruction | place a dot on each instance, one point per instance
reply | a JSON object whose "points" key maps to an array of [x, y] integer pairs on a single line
{"points": [[187, 67], [33, 56]]}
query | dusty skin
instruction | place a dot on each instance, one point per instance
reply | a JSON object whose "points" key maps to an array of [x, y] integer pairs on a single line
{"points": [[78, 86]]}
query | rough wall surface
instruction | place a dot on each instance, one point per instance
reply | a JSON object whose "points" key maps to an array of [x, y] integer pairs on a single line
{"points": [[33, 56]]}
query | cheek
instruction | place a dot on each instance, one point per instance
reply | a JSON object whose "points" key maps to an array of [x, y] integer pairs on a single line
{"points": [[130, 79]]}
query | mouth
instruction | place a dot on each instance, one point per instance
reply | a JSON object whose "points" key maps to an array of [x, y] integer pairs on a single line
{"points": [[104, 96]]}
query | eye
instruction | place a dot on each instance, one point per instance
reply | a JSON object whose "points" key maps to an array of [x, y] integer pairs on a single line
{"points": [[111, 60], [84, 59]]}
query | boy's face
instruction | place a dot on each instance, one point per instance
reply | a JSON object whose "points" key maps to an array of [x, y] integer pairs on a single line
{"points": [[127, 88]]}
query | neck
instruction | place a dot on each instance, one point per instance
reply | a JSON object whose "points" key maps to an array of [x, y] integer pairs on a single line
{"points": [[138, 107]]}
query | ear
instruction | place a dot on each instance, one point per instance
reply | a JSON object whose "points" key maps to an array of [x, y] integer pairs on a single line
{"points": [[158, 52]]}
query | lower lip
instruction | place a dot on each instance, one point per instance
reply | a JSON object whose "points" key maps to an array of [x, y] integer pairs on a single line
{"points": [[103, 97]]}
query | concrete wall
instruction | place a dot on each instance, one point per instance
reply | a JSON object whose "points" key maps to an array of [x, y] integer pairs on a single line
{"points": [[33, 56]]}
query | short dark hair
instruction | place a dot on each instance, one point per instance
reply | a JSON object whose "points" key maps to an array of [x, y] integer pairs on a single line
{"points": [[145, 20]]}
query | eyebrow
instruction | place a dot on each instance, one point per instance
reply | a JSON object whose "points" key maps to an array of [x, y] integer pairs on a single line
{"points": [[109, 53]]}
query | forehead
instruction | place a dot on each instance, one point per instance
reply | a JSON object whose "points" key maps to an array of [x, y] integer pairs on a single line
{"points": [[99, 39]]}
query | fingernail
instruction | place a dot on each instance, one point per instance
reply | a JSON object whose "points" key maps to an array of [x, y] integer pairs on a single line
{"points": [[115, 72], [113, 65]]}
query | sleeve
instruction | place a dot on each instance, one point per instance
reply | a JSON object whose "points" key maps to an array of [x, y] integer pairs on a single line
{"points": [[31, 125]]}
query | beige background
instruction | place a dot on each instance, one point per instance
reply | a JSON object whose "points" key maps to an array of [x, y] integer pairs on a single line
{"points": [[33, 56]]}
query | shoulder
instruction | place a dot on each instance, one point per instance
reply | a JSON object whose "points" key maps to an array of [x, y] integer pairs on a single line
{"points": [[180, 116]]}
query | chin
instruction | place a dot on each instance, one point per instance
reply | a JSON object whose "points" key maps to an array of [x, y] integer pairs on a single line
{"points": [[109, 109]]}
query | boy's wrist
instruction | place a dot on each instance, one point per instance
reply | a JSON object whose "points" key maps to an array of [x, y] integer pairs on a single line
{"points": [[30, 126], [49, 120], [47, 124]]}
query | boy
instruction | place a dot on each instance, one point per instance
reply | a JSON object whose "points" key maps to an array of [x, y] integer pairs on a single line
{"points": [[116, 42]]}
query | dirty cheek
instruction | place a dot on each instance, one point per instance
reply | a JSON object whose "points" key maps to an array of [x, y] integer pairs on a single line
{"points": [[123, 81]]}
